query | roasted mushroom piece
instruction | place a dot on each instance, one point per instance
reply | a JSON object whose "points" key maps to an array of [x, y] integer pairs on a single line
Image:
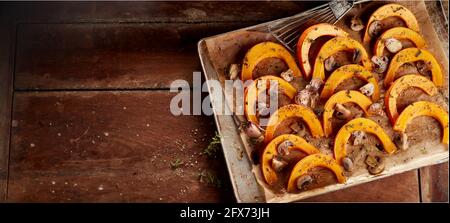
{"points": [[356, 24], [375, 164], [393, 45], [304, 181]]}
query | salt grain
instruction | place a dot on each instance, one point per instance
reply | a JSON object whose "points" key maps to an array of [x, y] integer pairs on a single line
{"points": [[106, 134], [32, 145], [100, 187]]}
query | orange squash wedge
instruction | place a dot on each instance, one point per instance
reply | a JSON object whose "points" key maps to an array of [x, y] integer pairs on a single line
{"points": [[389, 10], [271, 152], [342, 97], [311, 161], [410, 55], [398, 33], [333, 46], [263, 51], [402, 83], [360, 124], [293, 111], [251, 94], [346, 72], [423, 108], [308, 36]]}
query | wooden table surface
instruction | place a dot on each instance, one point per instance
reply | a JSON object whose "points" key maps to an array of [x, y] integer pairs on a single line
{"points": [[84, 105]]}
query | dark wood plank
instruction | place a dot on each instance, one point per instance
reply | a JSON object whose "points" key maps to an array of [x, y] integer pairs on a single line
{"points": [[169, 11], [7, 34], [398, 188], [434, 183], [110, 146], [99, 56]]}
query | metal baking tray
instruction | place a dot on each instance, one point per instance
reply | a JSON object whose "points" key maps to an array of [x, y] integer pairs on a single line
{"points": [[245, 186]]}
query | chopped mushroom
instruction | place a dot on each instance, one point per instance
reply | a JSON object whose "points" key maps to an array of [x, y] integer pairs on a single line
{"points": [[367, 89], [330, 63], [287, 75], [304, 181], [233, 71], [359, 138], [252, 130], [347, 163], [283, 148], [375, 164], [298, 128], [393, 45], [356, 24], [376, 109], [375, 28], [263, 109], [342, 112], [278, 164], [303, 97], [315, 84], [380, 64], [401, 141], [314, 100]]}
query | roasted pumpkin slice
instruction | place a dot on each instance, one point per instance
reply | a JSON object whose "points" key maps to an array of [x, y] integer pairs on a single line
{"points": [[308, 36], [263, 51], [342, 97], [271, 152], [311, 161], [252, 92], [423, 108], [360, 124], [346, 72], [410, 55], [333, 46], [399, 33], [389, 10], [293, 111], [401, 84]]}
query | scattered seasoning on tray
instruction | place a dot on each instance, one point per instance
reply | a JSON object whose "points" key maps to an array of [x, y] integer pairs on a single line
{"points": [[210, 179], [176, 164], [211, 150]]}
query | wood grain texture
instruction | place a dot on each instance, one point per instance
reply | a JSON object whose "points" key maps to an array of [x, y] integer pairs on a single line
{"points": [[434, 183], [109, 56], [398, 188], [7, 36], [192, 12], [110, 147]]}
